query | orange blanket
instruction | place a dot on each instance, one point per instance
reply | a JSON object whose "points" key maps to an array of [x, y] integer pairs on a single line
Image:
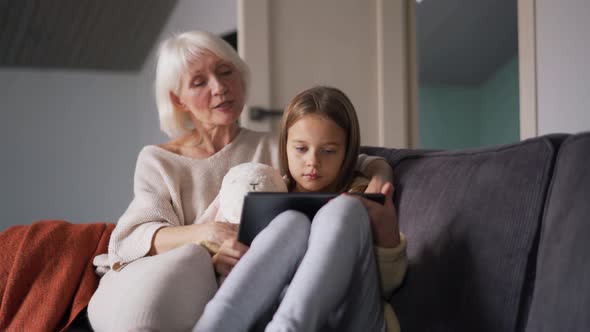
{"points": [[46, 273]]}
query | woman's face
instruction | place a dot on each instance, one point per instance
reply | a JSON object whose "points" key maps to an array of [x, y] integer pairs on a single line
{"points": [[316, 147], [212, 91]]}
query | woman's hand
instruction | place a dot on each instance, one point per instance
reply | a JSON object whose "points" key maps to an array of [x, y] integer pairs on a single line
{"points": [[216, 232], [383, 218], [229, 254], [380, 173], [168, 238]]}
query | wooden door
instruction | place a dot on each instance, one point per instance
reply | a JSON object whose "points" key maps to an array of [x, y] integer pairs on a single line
{"points": [[365, 48]]}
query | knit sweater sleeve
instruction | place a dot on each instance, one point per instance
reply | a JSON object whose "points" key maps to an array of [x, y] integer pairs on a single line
{"points": [[150, 210], [392, 264], [363, 162]]}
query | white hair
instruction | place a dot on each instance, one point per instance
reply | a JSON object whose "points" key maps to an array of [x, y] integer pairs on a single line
{"points": [[174, 57]]}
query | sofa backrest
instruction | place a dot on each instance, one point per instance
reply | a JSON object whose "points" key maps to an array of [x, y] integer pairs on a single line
{"points": [[561, 297], [472, 219]]}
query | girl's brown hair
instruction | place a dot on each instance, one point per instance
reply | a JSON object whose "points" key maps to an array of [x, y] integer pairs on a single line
{"points": [[332, 104]]}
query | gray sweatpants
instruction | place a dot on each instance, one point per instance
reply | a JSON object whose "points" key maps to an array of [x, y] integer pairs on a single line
{"points": [[328, 265]]}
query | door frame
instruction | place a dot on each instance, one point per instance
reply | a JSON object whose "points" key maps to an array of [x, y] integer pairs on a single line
{"points": [[527, 68], [254, 48], [397, 95]]}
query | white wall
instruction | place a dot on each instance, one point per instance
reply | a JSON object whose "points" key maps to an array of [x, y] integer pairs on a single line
{"points": [[71, 144], [70, 139], [563, 67]]}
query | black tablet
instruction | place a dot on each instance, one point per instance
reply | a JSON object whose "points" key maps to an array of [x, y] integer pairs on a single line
{"points": [[260, 208]]}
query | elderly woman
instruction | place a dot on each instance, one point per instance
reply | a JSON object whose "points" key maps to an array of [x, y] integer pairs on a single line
{"points": [[158, 277]]}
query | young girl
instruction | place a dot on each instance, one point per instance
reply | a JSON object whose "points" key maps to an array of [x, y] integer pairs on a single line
{"points": [[324, 272]]}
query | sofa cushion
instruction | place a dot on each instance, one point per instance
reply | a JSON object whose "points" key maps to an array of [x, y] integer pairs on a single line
{"points": [[561, 297], [471, 218]]}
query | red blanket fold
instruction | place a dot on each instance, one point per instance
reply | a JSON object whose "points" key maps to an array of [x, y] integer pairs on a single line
{"points": [[46, 273]]}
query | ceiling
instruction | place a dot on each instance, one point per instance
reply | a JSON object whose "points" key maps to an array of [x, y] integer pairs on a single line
{"points": [[463, 42], [80, 34], [460, 42]]}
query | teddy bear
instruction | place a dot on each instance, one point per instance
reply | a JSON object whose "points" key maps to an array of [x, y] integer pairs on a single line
{"points": [[238, 181]]}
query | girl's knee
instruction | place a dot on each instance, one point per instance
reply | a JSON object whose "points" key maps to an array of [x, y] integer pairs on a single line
{"points": [[346, 201], [292, 224], [344, 211], [290, 230]]}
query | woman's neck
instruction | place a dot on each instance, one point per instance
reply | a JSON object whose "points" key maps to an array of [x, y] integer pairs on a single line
{"points": [[213, 138]]}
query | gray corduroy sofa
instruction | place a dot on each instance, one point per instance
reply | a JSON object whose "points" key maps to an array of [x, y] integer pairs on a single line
{"points": [[498, 238]]}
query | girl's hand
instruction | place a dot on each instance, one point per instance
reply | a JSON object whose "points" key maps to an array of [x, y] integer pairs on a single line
{"points": [[377, 182], [383, 219], [228, 256], [380, 173]]}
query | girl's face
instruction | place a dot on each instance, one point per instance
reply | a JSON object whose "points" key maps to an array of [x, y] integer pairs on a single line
{"points": [[316, 147], [212, 91]]}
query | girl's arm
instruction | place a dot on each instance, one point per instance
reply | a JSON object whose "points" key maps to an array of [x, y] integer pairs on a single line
{"points": [[377, 169], [383, 219], [390, 244]]}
